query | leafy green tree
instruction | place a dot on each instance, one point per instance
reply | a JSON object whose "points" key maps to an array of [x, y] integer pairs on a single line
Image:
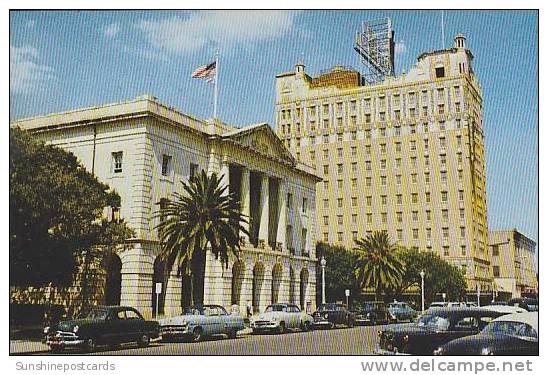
{"points": [[440, 275], [338, 275], [56, 209], [206, 215], [378, 265]]}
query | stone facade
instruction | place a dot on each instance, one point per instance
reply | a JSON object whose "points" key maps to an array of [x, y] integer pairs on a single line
{"points": [[143, 149]]}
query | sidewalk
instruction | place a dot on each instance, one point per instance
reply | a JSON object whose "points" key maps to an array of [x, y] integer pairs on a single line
{"points": [[21, 347]]}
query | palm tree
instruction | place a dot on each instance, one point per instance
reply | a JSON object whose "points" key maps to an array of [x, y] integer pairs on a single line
{"points": [[378, 265], [206, 215]]}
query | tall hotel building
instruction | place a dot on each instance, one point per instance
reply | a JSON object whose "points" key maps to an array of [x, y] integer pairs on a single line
{"points": [[405, 155]]}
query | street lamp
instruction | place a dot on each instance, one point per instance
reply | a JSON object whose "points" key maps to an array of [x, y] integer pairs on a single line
{"points": [[323, 263], [422, 288]]}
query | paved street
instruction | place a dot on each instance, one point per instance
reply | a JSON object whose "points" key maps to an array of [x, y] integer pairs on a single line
{"points": [[340, 341]]}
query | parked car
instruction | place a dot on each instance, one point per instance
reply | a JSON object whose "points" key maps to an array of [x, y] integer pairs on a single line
{"points": [[437, 305], [529, 304], [330, 314], [371, 312], [437, 327], [110, 325], [401, 311], [280, 317], [513, 334], [201, 321], [498, 303]]}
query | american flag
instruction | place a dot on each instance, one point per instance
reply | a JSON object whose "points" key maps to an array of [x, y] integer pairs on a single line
{"points": [[208, 71]]}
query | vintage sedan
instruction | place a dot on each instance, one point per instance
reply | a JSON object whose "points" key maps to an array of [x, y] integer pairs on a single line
{"points": [[329, 315], [529, 304], [199, 322], [514, 334], [434, 329], [280, 317], [371, 312], [102, 325], [401, 311]]}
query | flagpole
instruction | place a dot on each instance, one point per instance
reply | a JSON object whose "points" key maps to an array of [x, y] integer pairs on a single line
{"points": [[215, 93]]}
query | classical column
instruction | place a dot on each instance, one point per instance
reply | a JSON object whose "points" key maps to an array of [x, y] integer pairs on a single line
{"points": [[137, 279], [282, 214], [225, 173], [245, 196], [263, 228]]}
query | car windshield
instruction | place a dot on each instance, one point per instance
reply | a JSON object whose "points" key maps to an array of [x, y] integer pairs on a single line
{"points": [[96, 314], [193, 311], [518, 329], [271, 308], [533, 307], [433, 322]]}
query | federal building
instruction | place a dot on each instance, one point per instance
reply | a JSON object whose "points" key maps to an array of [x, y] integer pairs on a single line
{"points": [[143, 149], [400, 153]]}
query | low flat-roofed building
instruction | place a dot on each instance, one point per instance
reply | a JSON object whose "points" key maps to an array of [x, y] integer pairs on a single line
{"points": [[513, 261]]}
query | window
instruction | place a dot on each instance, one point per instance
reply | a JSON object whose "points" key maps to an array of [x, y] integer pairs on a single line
{"points": [[354, 182], [443, 176], [354, 167], [368, 165], [445, 232], [326, 237], [369, 218], [325, 185], [340, 152], [354, 218], [445, 215], [428, 215], [354, 151], [461, 195], [383, 200], [398, 179], [383, 148], [413, 178], [305, 205], [414, 198], [441, 109], [399, 199], [383, 163], [444, 196], [368, 200], [117, 158], [368, 181], [193, 170], [398, 146], [496, 271], [440, 72], [427, 197], [340, 236], [446, 251], [398, 162], [425, 127], [399, 216], [354, 201], [326, 204], [463, 253], [383, 217], [415, 215], [383, 180], [339, 202], [415, 234], [427, 177], [339, 184], [495, 250], [463, 232], [166, 165], [290, 201], [339, 219], [326, 153], [326, 169], [413, 145], [326, 220], [399, 234], [429, 233], [339, 168]]}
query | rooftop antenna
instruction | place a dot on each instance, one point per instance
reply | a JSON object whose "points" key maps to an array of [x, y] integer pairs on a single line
{"points": [[442, 32], [375, 45]]}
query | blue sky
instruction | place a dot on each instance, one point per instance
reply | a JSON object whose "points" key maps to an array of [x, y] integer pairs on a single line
{"points": [[64, 60]]}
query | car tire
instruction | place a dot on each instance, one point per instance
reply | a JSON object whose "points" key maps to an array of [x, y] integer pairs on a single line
{"points": [[350, 323], [305, 326], [54, 349], [144, 341], [232, 333], [331, 325], [197, 334], [90, 345], [281, 328]]}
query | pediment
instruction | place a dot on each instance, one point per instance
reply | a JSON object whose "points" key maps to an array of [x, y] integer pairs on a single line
{"points": [[263, 140]]}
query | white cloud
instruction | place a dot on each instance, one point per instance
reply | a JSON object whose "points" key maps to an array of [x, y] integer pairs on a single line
{"points": [[220, 29], [26, 72], [111, 30], [400, 47]]}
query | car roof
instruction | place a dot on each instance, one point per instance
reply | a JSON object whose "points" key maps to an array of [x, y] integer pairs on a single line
{"points": [[530, 318], [458, 311], [505, 308]]}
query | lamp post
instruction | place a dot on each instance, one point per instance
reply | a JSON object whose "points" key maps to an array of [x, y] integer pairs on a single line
{"points": [[323, 263], [422, 289]]}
